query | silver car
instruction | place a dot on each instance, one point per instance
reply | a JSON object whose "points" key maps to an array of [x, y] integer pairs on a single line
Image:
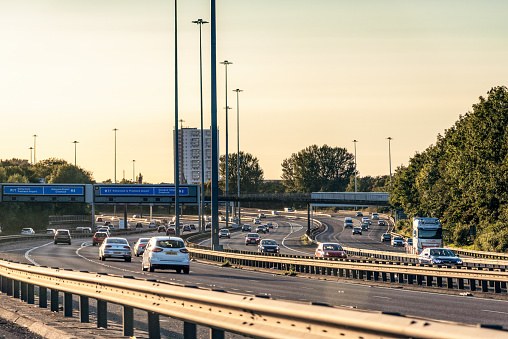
{"points": [[139, 246], [115, 248]]}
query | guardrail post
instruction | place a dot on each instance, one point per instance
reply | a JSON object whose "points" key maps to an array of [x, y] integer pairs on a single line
{"points": [[383, 276], [216, 334], [439, 281], [102, 313], [3, 283], [9, 287], [369, 275], [429, 280], [54, 300], [24, 291], [154, 330], [410, 279], [354, 274], [128, 321], [485, 285], [334, 272], [419, 279], [460, 283], [67, 305], [30, 293], [392, 277], [341, 272], [449, 282], [497, 286], [360, 274], [472, 284], [189, 330], [84, 309], [43, 297], [400, 278], [15, 284]]}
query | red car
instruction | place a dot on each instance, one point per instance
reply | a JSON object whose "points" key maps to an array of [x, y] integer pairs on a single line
{"points": [[252, 238], [99, 237], [330, 250]]}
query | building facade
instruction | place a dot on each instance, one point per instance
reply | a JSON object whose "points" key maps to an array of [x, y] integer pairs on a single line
{"points": [[189, 149]]}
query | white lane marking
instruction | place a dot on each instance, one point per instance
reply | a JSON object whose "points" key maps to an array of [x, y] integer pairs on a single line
{"points": [[27, 253], [495, 311], [377, 296], [87, 244], [292, 231]]}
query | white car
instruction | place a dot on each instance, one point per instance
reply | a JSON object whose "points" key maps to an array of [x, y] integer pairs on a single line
{"points": [[223, 218], [139, 246], [275, 213], [152, 224], [366, 220], [115, 248], [50, 231], [375, 216], [224, 232], [166, 253], [28, 231], [257, 221]]}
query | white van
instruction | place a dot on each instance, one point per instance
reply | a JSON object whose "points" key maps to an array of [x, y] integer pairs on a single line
{"points": [[348, 222], [375, 216]]}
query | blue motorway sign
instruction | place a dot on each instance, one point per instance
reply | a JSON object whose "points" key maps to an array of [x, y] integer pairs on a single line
{"points": [[142, 191], [43, 190]]}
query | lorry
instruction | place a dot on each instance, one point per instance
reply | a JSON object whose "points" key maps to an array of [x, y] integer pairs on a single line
{"points": [[427, 233]]}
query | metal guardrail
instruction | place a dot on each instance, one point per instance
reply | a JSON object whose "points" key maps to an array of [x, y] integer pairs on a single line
{"points": [[480, 254], [477, 279], [220, 311]]}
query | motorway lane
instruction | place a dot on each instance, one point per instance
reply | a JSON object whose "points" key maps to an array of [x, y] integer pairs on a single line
{"points": [[81, 256]]}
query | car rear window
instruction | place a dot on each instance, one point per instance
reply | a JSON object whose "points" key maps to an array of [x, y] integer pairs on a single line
{"points": [[62, 232], [116, 241], [170, 243], [100, 234]]}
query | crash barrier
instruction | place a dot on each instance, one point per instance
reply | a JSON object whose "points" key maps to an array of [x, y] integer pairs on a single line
{"points": [[255, 316], [480, 254], [487, 280]]}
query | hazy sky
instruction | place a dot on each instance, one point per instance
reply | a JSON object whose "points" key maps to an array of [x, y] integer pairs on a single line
{"points": [[313, 72]]}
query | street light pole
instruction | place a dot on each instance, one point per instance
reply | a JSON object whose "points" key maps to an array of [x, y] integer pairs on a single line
{"points": [[177, 162], [75, 151], [35, 157], [238, 151], [31, 149], [226, 63], [355, 141], [115, 129], [133, 171], [200, 22], [390, 159]]}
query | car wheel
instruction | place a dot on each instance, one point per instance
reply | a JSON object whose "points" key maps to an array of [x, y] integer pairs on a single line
{"points": [[128, 259], [178, 270], [56, 243], [69, 243], [186, 270], [93, 244]]}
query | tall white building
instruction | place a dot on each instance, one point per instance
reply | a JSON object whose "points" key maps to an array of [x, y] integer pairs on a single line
{"points": [[189, 149]]}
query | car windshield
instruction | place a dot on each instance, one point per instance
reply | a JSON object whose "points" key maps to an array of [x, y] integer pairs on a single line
{"points": [[26, 229], [170, 243], [224, 231], [442, 252], [332, 247], [397, 238], [268, 242], [430, 234]]}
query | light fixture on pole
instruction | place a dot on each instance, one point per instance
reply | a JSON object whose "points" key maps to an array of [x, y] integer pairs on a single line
{"points": [[226, 63], [133, 171], [200, 22], [75, 151], [31, 149], [390, 159], [355, 141], [35, 138], [238, 151]]}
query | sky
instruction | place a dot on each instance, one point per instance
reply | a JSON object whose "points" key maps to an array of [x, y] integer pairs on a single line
{"points": [[312, 72]]}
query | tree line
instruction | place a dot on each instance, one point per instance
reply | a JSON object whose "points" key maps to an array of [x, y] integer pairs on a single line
{"points": [[463, 178]]}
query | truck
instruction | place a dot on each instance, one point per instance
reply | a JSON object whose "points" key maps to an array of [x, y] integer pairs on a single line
{"points": [[427, 233], [122, 224], [288, 209]]}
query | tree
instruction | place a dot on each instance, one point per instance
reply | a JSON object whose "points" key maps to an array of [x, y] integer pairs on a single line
{"points": [[318, 169], [251, 174]]}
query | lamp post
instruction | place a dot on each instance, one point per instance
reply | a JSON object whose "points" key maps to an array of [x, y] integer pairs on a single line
{"points": [[35, 138], [75, 151], [226, 63], [200, 22], [115, 129], [133, 171], [238, 151], [31, 149], [355, 141], [390, 159], [177, 163]]}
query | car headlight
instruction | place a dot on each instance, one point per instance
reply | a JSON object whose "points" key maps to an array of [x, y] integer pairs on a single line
{"points": [[436, 261], [459, 262]]}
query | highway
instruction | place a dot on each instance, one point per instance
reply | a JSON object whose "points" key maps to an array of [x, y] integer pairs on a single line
{"points": [[82, 256]]}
